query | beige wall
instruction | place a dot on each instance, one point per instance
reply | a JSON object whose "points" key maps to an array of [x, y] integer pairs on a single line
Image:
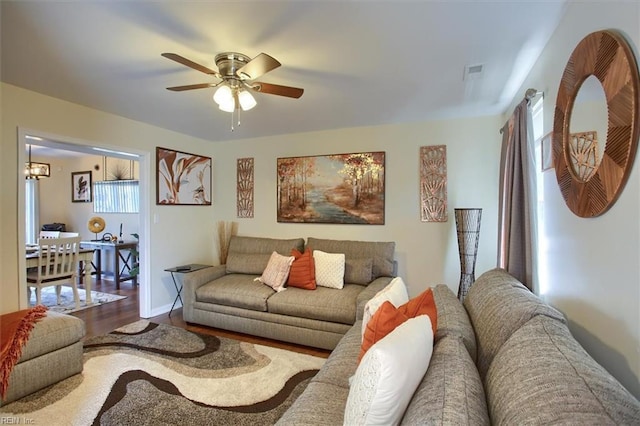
{"points": [[175, 238], [55, 198], [56, 205], [592, 273], [426, 252]]}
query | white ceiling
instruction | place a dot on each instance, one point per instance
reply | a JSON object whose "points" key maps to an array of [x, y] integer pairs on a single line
{"points": [[361, 63]]}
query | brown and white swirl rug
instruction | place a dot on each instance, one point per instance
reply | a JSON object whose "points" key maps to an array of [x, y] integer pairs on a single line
{"points": [[157, 374]]}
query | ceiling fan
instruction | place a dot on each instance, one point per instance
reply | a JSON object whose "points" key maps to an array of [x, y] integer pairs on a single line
{"points": [[237, 73]]}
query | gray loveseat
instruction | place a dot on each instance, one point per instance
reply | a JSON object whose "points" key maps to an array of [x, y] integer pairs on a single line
{"points": [[227, 297], [504, 358]]}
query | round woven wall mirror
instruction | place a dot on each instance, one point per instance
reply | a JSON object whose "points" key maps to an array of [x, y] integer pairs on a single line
{"points": [[591, 167]]}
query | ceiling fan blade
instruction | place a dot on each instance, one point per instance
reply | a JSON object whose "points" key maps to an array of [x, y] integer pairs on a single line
{"points": [[275, 89], [258, 66], [184, 61], [192, 86]]}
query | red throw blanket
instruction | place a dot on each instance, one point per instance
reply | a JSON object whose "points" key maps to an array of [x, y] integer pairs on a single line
{"points": [[15, 329]]}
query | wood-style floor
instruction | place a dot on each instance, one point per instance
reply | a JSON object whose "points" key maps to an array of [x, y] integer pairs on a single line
{"points": [[105, 318]]}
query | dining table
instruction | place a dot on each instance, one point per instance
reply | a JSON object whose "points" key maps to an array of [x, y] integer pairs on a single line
{"points": [[125, 258], [85, 256]]}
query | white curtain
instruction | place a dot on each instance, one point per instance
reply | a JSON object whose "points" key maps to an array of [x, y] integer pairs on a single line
{"points": [[32, 211]]}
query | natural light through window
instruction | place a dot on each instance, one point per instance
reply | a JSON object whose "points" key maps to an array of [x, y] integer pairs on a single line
{"points": [[116, 196], [31, 211], [538, 133]]}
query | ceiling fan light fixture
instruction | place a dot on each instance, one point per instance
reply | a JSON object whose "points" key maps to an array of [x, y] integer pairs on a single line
{"points": [[237, 72], [246, 100], [228, 106], [223, 95]]}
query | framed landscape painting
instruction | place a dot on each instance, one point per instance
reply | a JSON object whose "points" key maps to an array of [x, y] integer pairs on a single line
{"points": [[182, 178], [338, 188]]}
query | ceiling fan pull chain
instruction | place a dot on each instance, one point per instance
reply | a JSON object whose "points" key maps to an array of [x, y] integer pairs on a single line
{"points": [[232, 128], [238, 109]]}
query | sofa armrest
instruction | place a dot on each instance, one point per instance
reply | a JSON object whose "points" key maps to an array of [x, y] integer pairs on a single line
{"points": [[192, 281], [365, 295]]}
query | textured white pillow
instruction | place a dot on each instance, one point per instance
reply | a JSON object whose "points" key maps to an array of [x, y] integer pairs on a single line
{"points": [[389, 374], [329, 269], [395, 292], [277, 271]]}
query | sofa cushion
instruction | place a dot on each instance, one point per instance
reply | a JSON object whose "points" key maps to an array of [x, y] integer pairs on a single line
{"points": [[237, 290], [389, 374], [329, 269], [451, 391], [250, 255], [540, 366], [53, 332], [453, 319], [498, 304], [358, 271], [247, 263], [325, 304], [381, 253], [342, 362], [277, 271], [319, 404], [303, 271]]}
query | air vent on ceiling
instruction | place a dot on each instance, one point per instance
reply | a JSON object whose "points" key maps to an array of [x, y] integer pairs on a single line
{"points": [[473, 71]]}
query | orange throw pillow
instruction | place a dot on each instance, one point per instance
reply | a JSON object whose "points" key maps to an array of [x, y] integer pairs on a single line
{"points": [[422, 304], [383, 322], [303, 272], [388, 317]]}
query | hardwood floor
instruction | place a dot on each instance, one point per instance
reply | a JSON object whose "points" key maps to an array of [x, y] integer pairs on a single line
{"points": [[105, 318]]}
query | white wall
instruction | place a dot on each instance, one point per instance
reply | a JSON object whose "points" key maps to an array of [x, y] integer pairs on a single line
{"points": [[427, 253], [593, 275]]}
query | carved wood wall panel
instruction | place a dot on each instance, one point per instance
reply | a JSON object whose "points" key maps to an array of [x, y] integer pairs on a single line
{"points": [[244, 191], [583, 150], [433, 183]]}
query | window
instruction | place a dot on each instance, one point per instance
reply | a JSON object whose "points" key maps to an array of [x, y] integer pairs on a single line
{"points": [[116, 196], [537, 118], [31, 211]]}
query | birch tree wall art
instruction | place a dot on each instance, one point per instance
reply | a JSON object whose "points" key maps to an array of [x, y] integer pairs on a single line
{"points": [[338, 188]]}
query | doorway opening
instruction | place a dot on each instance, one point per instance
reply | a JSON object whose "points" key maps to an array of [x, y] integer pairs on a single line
{"points": [[74, 148]]}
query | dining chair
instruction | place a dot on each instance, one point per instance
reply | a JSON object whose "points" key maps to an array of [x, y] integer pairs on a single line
{"points": [[57, 265], [68, 234], [49, 234]]}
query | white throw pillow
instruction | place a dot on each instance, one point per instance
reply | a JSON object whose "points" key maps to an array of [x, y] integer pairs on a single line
{"points": [[277, 271], [329, 269], [395, 292], [389, 374]]}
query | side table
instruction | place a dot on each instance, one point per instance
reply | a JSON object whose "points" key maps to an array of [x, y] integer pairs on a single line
{"points": [[184, 269]]}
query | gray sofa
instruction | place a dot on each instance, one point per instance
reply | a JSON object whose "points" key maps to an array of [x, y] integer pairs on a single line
{"points": [[502, 358], [227, 297], [52, 353]]}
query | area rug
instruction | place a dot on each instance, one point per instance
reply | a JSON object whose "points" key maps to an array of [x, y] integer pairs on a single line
{"points": [[67, 304], [154, 374]]}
